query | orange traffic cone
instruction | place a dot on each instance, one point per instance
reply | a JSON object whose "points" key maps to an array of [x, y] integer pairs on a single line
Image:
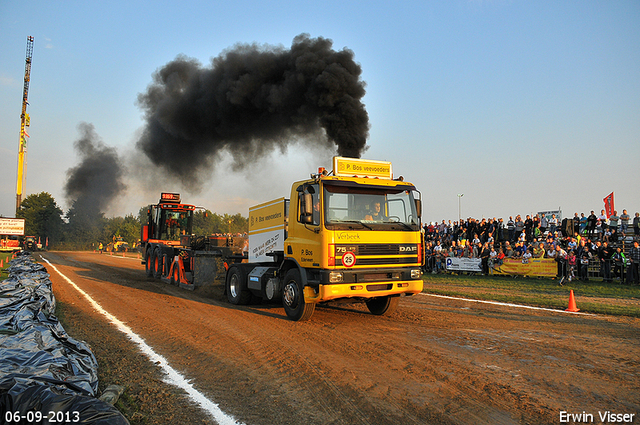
{"points": [[1, 264], [572, 303]]}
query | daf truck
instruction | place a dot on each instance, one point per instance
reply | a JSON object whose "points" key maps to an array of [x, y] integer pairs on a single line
{"points": [[350, 234]]}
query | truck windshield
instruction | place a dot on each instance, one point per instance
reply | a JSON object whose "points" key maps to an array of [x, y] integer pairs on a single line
{"points": [[175, 223], [348, 206]]}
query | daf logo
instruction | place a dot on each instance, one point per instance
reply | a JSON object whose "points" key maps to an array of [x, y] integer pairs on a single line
{"points": [[408, 248]]}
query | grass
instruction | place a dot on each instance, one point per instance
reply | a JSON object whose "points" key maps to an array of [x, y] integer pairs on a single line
{"points": [[5, 257], [594, 296]]}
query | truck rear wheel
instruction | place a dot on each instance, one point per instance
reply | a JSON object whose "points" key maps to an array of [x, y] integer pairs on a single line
{"points": [[237, 292], [157, 263], [166, 263], [383, 306], [293, 297], [148, 259], [175, 274]]}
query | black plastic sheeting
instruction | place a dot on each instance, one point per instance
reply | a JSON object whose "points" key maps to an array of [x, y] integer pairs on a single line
{"points": [[45, 375]]}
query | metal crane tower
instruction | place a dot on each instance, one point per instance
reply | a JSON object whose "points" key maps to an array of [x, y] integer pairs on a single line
{"points": [[24, 125]]}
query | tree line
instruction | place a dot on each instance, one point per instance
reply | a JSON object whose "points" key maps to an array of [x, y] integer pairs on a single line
{"points": [[85, 229]]}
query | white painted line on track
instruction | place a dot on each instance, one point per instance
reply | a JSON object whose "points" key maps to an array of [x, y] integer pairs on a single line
{"points": [[172, 376], [504, 304], [120, 256]]}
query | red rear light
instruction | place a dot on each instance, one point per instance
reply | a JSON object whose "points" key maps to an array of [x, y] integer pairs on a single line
{"points": [[331, 255]]}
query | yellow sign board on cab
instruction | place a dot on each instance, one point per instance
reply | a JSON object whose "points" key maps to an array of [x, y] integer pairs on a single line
{"points": [[361, 168]]}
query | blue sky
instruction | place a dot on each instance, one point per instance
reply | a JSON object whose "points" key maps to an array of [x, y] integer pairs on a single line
{"points": [[521, 106]]}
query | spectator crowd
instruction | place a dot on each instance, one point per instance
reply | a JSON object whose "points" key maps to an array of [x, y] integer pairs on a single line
{"points": [[573, 243]]}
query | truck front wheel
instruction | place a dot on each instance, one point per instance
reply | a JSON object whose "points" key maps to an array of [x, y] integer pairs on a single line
{"points": [[293, 297], [237, 292], [157, 263], [148, 258], [383, 306]]}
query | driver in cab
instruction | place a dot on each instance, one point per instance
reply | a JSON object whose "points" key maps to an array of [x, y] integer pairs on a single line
{"points": [[375, 213]]}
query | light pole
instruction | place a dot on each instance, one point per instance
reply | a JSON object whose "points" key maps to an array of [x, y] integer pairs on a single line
{"points": [[460, 195]]}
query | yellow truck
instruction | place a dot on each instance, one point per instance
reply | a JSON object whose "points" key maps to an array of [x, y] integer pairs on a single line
{"points": [[352, 233]]}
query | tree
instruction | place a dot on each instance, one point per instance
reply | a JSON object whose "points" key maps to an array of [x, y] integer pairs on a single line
{"points": [[127, 227], [85, 224], [43, 217], [208, 223]]}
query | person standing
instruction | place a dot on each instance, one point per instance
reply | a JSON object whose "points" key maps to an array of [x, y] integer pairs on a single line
{"points": [[604, 254], [619, 262], [624, 222], [634, 258], [636, 225], [553, 223], [528, 228], [519, 227], [544, 223], [511, 228], [613, 221], [584, 264], [583, 224], [561, 259], [485, 253], [602, 218], [591, 225]]}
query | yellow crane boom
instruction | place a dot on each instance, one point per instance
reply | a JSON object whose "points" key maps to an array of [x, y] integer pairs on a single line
{"points": [[24, 125]]}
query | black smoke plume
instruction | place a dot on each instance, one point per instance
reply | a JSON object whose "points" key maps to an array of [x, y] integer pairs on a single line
{"points": [[252, 100], [94, 183]]}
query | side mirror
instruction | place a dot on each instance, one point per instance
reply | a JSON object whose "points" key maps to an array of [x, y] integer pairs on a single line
{"points": [[307, 208], [419, 207]]}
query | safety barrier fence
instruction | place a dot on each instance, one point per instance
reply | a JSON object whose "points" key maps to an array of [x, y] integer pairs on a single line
{"points": [[534, 267]]}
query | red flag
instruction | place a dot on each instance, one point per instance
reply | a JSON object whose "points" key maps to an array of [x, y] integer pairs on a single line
{"points": [[608, 205]]}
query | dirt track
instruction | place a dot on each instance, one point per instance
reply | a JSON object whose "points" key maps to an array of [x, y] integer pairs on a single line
{"points": [[434, 361]]}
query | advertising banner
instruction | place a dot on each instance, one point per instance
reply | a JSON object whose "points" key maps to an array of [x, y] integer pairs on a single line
{"points": [[12, 226], [544, 267], [464, 264], [549, 214], [267, 224]]}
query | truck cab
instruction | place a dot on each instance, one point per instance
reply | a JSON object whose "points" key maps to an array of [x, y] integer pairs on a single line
{"points": [[351, 234]]}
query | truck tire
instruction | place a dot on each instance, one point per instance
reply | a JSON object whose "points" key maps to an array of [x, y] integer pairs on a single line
{"points": [[383, 306], [175, 275], [237, 292], [148, 259], [157, 263], [293, 297], [166, 263]]}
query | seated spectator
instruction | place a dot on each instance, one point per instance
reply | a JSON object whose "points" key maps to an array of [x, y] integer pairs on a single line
{"points": [[527, 255], [508, 250], [500, 257], [552, 252]]}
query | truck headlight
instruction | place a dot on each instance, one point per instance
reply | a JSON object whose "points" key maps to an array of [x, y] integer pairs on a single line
{"points": [[415, 273], [336, 277]]}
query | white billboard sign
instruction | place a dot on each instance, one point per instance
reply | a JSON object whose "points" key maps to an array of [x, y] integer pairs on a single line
{"points": [[12, 226]]}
